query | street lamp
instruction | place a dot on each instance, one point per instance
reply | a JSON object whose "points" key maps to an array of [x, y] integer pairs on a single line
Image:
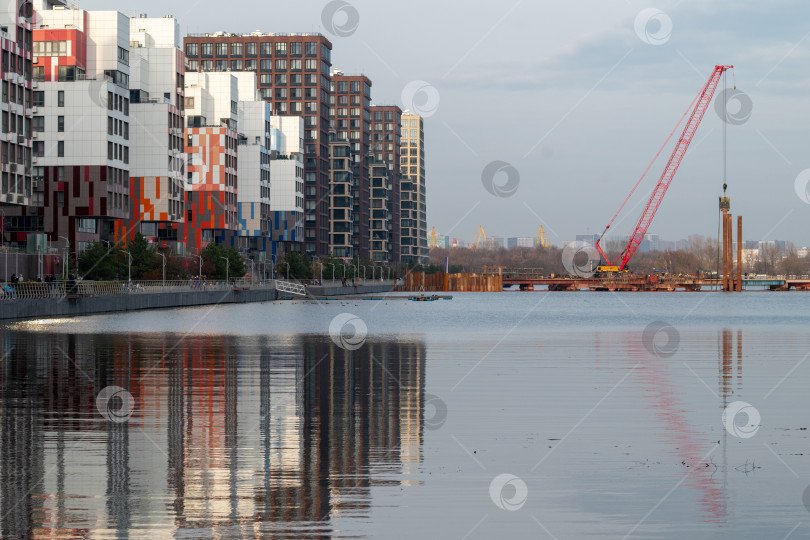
{"points": [[129, 265], [320, 263], [164, 265], [364, 272], [67, 254], [227, 268]]}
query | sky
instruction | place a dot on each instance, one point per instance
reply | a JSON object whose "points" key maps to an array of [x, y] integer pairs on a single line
{"points": [[568, 102]]}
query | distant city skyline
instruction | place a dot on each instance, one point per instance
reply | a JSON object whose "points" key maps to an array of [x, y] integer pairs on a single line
{"points": [[577, 98]]}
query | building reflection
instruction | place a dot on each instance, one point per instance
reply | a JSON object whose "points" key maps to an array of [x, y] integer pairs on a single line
{"points": [[229, 437]]}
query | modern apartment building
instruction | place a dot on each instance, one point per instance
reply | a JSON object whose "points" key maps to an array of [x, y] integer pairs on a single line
{"points": [[293, 74], [158, 160], [16, 42], [287, 182], [253, 193], [81, 124], [386, 122], [413, 203], [341, 200], [381, 205], [350, 102], [212, 111]]}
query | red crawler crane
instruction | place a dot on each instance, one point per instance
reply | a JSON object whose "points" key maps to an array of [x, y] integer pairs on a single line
{"points": [[703, 100]]}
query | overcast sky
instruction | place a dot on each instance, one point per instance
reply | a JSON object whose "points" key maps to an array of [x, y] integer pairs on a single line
{"points": [[577, 97]]}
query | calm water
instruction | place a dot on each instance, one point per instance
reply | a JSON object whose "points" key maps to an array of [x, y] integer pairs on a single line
{"points": [[514, 415]]}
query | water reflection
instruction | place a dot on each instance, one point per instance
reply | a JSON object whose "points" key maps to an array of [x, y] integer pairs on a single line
{"points": [[229, 436]]}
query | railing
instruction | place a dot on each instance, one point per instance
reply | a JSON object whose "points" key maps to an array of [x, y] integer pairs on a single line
{"points": [[28, 290], [289, 287]]}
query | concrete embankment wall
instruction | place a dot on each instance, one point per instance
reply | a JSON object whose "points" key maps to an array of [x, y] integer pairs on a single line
{"points": [[350, 290], [69, 307]]}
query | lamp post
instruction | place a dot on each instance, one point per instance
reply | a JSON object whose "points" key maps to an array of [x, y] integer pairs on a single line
{"points": [[67, 254], [364, 272], [320, 263], [344, 270], [288, 270], [227, 268], [164, 265], [129, 265]]}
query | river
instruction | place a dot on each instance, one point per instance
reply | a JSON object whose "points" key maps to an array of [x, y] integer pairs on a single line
{"points": [[511, 415]]}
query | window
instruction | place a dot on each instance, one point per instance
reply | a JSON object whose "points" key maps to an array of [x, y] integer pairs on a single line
{"points": [[250, 65], [123, 56], [60, 149], [311, 65], [194, 65], [222, 65], [250, 49], [295, 65], [207, 65], [281, 49], [236, 65], [236, 49], [281, 65], [192, 49], [49, 48], [60, 124], [60, 199], [281, 79], [207, 50], [60, 98], [267, 65], [189, 102], [38, 124], [267, 49], [266, 80], [295, 49], [39, 99], [222, 50], [295, 80], [310, 48]]}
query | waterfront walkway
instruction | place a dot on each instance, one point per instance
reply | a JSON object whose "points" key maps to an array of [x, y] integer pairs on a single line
{"points": [[35, 300]]}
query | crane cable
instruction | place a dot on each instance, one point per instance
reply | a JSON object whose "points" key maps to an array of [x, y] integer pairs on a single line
{"points": [[691, 105]]}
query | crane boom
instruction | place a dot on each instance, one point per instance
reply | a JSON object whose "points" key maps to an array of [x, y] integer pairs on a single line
{"points": [[704, 98]]}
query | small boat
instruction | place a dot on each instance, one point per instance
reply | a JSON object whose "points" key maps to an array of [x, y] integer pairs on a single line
{"points": [[423, 298]]}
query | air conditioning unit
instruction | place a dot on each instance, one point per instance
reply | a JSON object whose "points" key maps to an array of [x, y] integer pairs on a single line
{"points": [[12, 167], [35, 84], [35, 135], [34, 109], [33, 159]]}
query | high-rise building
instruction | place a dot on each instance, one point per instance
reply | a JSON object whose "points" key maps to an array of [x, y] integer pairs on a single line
{"points": [[212, 110], [287, 182], [158, 160], [351, 120], [293, 73], [386, 129], [341, 200], [16, 185], [413, 201], [380, 201], [81, 127]]}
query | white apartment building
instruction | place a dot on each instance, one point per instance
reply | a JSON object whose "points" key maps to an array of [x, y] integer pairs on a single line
{"points": [[81, 124], [158, 168]]}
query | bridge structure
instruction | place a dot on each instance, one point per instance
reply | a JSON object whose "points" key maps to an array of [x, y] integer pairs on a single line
{"points": [[528, 278]]}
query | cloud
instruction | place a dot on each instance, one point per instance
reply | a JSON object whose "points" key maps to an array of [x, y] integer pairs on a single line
{"points": [[768, 42]]}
